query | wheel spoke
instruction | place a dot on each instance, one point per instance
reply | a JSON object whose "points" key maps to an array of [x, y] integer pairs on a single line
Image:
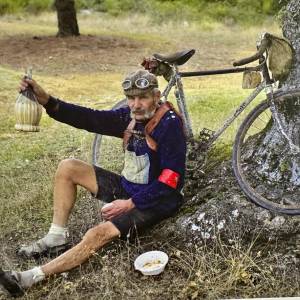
{"points": [[249, 170], [289, 202]]}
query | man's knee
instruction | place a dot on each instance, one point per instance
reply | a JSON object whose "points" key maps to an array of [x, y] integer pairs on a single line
{"points": [[100, 235], [67, 168]]}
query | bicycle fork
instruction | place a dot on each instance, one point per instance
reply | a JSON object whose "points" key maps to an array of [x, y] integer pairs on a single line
{"points": [[279, 122]]}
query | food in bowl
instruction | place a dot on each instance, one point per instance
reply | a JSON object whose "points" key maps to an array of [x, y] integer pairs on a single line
{"points": [[152, 264]]}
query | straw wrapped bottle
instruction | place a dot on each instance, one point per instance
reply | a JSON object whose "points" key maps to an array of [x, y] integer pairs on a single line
{"points": [[27, 109]]}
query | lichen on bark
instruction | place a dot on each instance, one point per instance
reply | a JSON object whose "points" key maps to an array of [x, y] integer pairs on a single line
{"points": [[291, 31], [275, 163]]}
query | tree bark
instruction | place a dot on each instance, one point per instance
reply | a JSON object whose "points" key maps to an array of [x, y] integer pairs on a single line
{"points": [[272, 152], [66, 16], [291, 31]]}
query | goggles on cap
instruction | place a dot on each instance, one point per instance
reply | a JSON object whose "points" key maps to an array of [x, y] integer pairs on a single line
{"points": [[141, 83]]}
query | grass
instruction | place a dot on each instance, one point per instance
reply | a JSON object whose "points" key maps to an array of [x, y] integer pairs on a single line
{"points": [[199, 272], [227, 12], [28, 163]]}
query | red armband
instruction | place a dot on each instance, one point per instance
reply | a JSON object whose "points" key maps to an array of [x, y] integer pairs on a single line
{"points": [[169, 178]]}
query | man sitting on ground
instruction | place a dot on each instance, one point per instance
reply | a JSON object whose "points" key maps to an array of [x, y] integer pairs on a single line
{"points": [[147, 191]]}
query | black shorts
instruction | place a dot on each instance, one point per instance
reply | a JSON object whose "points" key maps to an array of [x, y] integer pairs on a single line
{"points": [[135, 221]]}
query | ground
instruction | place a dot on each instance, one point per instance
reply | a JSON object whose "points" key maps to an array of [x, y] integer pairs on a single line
{"points": [[88, 70], [83, 54]]}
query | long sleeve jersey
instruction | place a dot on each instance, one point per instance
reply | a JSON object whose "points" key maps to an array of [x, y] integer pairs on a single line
{"points": [[142, 166]]}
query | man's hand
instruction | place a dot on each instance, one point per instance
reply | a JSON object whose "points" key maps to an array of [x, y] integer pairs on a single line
{"points": [[119, 207], [41, 95]]}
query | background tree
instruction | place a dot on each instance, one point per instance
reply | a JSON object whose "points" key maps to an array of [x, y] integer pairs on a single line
{"points": [[66, 16]]}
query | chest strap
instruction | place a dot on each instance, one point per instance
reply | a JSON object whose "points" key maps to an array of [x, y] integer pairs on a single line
{"points": [[128, 133], [166, 106]]}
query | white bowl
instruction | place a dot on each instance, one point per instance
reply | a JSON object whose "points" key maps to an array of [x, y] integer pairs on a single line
{"points": [[151, 263]]}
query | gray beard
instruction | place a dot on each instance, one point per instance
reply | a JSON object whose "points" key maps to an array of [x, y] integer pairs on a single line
{"points": [[147, 115]]}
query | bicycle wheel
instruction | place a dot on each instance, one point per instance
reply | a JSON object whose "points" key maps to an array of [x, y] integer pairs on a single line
{"points": [[258, 189], [96, 147]]}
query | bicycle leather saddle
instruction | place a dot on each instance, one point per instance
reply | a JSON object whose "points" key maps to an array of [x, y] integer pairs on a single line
{"points": [[178, 58]]}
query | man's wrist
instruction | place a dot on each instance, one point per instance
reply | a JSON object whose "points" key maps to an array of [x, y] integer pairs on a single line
{"points": [[44, 100], [52, 104], [131, 205]]}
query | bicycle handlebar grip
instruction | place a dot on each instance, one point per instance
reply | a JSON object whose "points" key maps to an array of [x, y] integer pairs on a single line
{"points": [[257, 55]]}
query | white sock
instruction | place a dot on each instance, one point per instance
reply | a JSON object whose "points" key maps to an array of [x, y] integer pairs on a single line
{"points": [[31, 277], [56, 229]]}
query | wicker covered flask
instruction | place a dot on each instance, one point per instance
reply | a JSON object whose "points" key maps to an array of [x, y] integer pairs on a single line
{"points": [[28, 111]]}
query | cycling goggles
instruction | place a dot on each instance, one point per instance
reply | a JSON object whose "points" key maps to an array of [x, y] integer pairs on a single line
{"points": [[140, 83]]}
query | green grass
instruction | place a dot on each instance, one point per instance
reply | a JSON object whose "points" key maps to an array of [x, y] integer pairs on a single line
{"points": [[202, 11], [29, 160]]}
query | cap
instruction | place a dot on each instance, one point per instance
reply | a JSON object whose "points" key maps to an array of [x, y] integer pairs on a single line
{"points": [[139, 82]]}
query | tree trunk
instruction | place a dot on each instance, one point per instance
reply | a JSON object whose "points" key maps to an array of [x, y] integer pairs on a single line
{"points": [[272, 152], [66, 16]]}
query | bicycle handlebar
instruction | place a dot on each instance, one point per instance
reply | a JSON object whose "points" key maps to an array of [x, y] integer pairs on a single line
{"points": [[262, 48]]}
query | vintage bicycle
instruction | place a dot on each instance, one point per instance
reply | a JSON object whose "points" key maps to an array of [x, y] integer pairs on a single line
{"points": [[258, 189]]}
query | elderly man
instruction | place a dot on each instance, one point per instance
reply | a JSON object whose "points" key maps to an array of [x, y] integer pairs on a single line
{"points": [[146, 192]]}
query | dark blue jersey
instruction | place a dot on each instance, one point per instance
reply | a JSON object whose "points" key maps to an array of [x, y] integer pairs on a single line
{"points": [[142, 166]]}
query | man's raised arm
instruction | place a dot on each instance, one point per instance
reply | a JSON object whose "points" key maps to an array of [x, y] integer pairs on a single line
{"points": [[107, 122]]}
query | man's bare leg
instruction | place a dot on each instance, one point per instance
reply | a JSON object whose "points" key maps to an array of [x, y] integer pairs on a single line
{"points": [[69, 174], [93, 240]]}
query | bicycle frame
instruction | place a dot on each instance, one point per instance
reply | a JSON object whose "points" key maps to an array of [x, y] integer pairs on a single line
{"points": [[176, 81]]}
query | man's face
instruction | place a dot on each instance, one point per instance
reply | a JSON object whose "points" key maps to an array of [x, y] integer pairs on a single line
{"points": [[143, 106]]}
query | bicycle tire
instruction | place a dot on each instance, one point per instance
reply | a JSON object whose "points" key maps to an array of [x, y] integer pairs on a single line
{"points": [[239, 170], [96, 146]]}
